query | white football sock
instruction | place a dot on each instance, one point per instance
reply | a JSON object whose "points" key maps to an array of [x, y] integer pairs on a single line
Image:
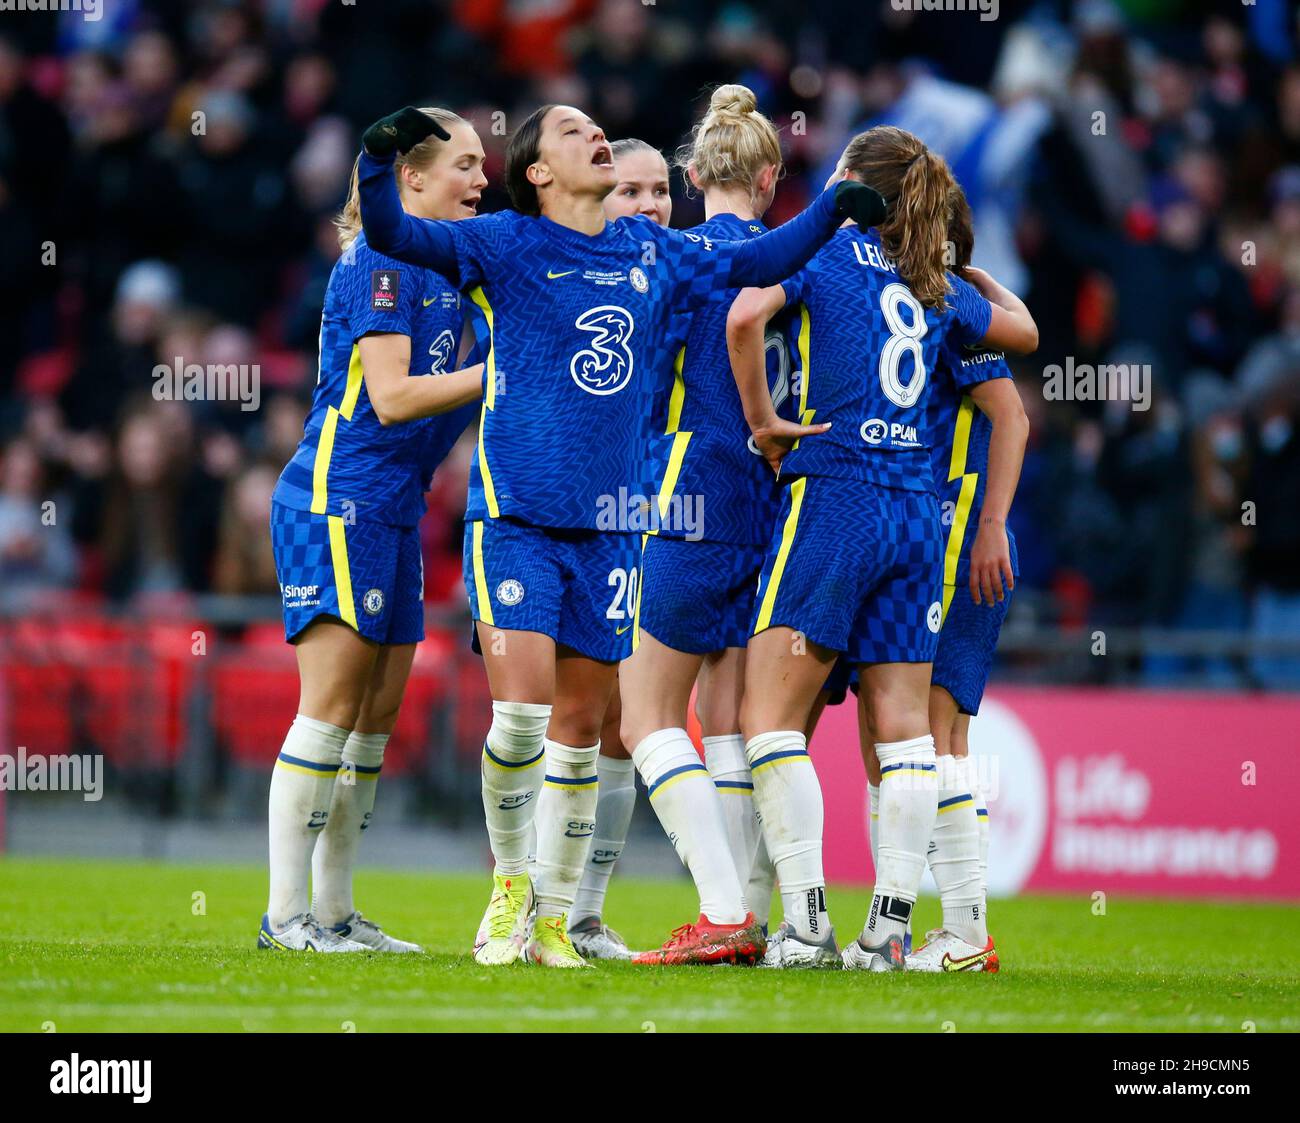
{"points": [[873, 826], [762, 880], [513, 767], [690, 811], [971, 774], [614, 805], [566, 823], [351, 808], [724, 757], [909, 797], [302, 784], [788, 798], [955, 855]]}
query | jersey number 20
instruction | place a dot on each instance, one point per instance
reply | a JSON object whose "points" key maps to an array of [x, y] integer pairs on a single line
{"points": [[903, 338], [623, 606]]}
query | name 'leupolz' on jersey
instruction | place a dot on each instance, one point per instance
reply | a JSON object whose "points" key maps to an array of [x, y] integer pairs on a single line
{"points": [[866, 346]]}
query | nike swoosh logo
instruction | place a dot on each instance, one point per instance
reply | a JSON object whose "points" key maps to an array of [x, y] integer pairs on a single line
{"points": [[552, 276], [950, 964], [602, 861], [620, 631], [430, 301]]}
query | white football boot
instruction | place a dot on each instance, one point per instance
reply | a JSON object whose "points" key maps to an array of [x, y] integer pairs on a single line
{"points": [[946, 951], [787, 951], [596, 940], [304, 933], [504, 929], [550, 946], [887, 956], [367, 933]]}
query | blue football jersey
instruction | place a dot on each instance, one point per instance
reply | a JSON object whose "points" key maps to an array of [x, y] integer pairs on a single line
{"points": [[442, 432], [581, 335], [711, 462], [959, 450], [866, 349], [347, 463]]}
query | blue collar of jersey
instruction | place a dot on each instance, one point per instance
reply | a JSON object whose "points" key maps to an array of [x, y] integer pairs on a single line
{"points": [[575, 237]]}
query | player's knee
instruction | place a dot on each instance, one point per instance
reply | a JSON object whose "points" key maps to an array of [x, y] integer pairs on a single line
{"points": [[717, 716], [339, 706], [377, 718], [576, 723], [896, 716]]}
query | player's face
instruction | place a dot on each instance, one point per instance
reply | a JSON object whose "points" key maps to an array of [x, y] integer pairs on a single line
{"points": [[642, 188], [574, 154], [455, 179]]}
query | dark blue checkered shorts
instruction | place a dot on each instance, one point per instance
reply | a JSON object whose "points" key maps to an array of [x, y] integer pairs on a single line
{"points": [[577, 586], [857, 568], [369, 575], [966, 646], [698, 597]]}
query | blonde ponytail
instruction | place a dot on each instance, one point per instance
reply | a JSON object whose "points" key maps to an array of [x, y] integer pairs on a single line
{"points": [[348, 220]]}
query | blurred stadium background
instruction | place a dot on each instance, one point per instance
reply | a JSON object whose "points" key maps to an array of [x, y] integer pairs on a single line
{"points": [[1153, 649]]}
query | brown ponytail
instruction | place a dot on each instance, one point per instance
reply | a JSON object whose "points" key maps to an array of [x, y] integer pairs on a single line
{"points": [[917, 186]]}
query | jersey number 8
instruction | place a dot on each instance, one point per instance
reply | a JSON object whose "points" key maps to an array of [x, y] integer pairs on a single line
{"points": [[903, 338]]}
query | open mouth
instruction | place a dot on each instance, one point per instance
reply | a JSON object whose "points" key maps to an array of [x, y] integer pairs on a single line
{"points": [[470, 203], [604, 157]]}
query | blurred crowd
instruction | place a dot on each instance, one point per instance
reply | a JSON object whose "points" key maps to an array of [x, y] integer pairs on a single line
{"points": [[168, 174]]}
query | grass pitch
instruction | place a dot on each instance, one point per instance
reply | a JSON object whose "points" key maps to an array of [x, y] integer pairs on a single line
{"points": [[105, 946]]}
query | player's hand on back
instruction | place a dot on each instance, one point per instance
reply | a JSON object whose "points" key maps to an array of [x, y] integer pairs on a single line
{"points": [[400, 132], [865, 205], [775, 438], [991, 577]]}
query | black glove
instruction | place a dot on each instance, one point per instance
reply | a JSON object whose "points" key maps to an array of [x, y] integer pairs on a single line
{"points": [[400, 132], [865, 205]]}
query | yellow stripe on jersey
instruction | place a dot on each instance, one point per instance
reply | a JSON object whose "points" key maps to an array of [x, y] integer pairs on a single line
{"points": [[965, 497], [677, 398], [797, 490], [672, 473], [321, 465], [805, 331], [677, 455], [320, 471], [479, 297], [480, 577], [353, 390], [342, 573]]}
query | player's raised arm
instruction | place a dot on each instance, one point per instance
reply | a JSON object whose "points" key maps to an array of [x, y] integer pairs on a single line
{"points": [[746, 321], [1011, 327], [782, 252], [397, 396], [991, 575], [389, 229]]}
